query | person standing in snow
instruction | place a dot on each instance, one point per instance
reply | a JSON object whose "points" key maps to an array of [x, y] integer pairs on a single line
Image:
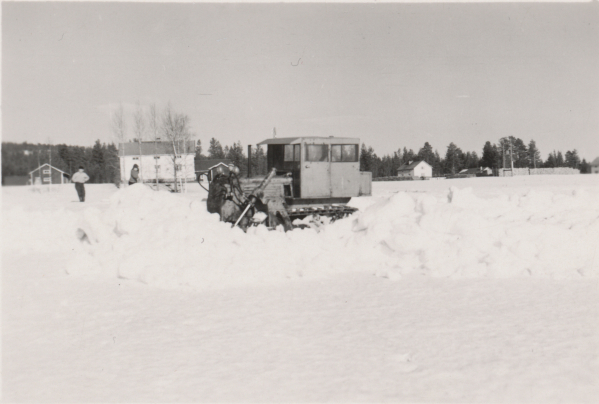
{"points": [[135, 178], [80, 178]]}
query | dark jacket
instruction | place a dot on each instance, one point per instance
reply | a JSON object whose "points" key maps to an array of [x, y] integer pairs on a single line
{"points": [[134, 175]]}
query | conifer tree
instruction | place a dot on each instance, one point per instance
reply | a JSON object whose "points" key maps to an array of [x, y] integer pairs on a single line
{"points": [[366, 159], [237, 156], [489, 158], [452, 159], [215, 150], [534, 155], [572, 159], [426, 154]]}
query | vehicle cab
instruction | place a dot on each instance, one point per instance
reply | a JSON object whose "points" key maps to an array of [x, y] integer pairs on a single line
{"points": [[320, 167]]}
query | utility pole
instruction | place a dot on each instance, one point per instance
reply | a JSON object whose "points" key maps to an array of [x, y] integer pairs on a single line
{"points": [[50, 163], [39, 167], [512, 155]]}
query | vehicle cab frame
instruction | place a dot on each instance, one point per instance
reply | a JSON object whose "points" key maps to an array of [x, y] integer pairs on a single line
{"points": [[322, 168]]}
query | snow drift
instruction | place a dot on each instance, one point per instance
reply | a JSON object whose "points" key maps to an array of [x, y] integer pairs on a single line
{"points": [[172, 241], [168, 240]]}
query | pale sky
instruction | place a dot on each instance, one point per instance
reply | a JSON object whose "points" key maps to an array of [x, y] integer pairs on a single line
{"points": [[393, 75]]}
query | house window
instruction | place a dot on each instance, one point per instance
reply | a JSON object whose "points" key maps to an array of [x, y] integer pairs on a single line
{"points": [[157, 166], [46, 179], [178, 167], [344, 153], [46, 171], [317, 152], [156, 157], [135, 158]]}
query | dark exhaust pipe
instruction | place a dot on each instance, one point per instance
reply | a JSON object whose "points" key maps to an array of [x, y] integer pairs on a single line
{"points": [[249, 160]]}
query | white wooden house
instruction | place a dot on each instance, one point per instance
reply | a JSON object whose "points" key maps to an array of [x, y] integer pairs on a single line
{"points": [[160, 160], [595, 166], [415, 170]]}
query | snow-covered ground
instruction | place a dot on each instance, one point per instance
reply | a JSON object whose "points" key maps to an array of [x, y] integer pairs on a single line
{"points": [[467, 290]]}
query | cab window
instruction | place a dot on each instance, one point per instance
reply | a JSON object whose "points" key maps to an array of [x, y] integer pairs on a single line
{"points": [[292, 152], [344, 153], [317, 152]]}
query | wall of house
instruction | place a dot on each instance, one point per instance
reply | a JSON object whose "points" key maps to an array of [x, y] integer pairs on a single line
{"points": [[45, 174], [166, 167], [423, 170], [594, 169]]}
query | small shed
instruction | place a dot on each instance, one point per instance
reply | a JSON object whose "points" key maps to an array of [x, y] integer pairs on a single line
{"points": [[47, 174], [415, 169], [205, 166], [595, 166], [476, 172]]}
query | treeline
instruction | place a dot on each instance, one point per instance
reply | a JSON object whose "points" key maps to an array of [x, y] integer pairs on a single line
{"points": [[101, 161], [237, 155], [507, 151], [102, 164]]}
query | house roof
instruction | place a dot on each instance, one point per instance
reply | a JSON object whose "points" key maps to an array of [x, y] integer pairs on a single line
{"points": [[595, 162], [152, 148], [470, 171], [412, 165], [475, 170], [46, 164], [205, 165], [281, 140]]}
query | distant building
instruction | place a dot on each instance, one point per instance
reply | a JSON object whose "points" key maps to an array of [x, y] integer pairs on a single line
{"points": [[47, 174], [14, 180], [415, 170], [205, 166], [477, 172], [595, 166], [156, 160]]}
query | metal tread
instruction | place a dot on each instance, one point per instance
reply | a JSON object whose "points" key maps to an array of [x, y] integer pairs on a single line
{"points": [[325, 210]]}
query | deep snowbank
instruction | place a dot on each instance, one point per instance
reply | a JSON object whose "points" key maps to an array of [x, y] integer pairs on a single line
{"points": [[163, 239], [169, 240]]}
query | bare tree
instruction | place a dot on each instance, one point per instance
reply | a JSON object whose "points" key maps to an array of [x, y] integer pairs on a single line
{"points": [[139, 129], [154, 132], [119, 124], [119, 129], [175, 128]]}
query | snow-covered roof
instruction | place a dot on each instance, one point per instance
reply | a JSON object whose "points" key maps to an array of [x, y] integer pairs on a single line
{"points": [[47, 164], [472, 170], [206, 165]]}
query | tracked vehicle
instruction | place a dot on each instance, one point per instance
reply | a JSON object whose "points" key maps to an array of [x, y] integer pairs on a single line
{"points": [[308, 177]]}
